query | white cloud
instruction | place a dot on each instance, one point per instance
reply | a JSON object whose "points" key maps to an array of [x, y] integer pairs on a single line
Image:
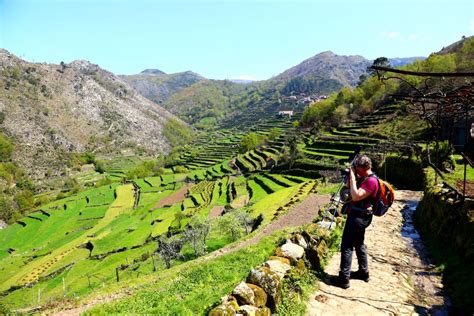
{"points": [[471, 26], [393, 35], [413, 37]]}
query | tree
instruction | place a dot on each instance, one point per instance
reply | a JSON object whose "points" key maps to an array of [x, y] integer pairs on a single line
{"points": [[169, 249], [251, 141], [230, 224], [7, 212], [244, 219], [380, 62], [196, 234]]}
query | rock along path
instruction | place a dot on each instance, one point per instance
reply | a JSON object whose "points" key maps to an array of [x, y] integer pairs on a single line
{"points": [[402, 279]]}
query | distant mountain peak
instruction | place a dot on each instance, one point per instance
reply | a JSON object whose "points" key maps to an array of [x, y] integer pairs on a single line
{"points": [[329, 66], [155, 72]]}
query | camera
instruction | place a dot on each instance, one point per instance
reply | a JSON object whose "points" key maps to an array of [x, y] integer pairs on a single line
{"points": [[345, 172]]}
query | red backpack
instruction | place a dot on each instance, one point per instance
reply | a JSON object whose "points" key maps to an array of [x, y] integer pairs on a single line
{"points": [[385, 198]]}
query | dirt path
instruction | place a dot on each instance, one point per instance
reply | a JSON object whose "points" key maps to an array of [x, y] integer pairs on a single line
{"points": [[402, 279], [297, 215]]}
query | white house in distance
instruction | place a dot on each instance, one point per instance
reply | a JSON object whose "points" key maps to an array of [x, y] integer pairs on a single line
{"points": [[285, 113]]}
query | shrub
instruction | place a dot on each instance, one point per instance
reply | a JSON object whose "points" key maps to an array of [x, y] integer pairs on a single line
{"points": [[99, 167], [7, 212], [6, 148], [180, 169], [25, 201]]}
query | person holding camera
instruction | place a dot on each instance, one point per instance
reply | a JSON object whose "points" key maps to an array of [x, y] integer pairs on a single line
{"points": [[363, 187]]}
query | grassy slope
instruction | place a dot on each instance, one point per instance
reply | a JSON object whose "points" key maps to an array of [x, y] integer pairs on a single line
{"points": [[185, 289]]}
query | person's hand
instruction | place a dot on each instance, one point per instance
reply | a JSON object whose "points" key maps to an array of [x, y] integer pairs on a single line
{"points": [[352, 175]]}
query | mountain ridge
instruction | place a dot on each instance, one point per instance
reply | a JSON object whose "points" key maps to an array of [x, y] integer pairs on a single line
{"points": [[51, 110]]}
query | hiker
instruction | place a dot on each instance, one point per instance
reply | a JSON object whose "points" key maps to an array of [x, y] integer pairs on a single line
{"points": [[363, 191]]}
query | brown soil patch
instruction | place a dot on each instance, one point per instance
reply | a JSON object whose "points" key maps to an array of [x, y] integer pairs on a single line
{"points": [[176, 197], [469, 187], [216, 211]]}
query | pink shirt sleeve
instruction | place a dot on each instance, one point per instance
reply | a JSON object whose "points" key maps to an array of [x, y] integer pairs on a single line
{"points": [[371, 185]]}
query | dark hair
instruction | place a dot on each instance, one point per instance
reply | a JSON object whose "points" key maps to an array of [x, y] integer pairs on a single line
{"points": [[362, 161]]}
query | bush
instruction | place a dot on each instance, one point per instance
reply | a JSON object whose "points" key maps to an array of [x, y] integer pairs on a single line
{"points": [[24, 200], [6, 149], [102, 182], [99, 167], [88, 157], [251, 141], [7, 212], [180, 169], [177, 133]]}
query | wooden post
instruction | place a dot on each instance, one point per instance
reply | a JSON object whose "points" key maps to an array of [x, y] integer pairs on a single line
{"points": [[64, 287], [153, 262], [117, 274]]}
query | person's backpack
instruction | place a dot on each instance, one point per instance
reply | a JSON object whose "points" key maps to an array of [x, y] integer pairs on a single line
{"points": [[385, 198]]}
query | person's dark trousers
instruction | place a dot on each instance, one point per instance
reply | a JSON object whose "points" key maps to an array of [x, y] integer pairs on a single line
{"points": [[353, 238]]}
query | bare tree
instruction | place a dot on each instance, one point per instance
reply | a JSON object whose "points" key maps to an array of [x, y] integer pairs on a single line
{"points": [[169, 249], [196, 234]]}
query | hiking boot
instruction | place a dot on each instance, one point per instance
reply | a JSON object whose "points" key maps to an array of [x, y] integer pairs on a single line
{"points": [[360, 275], [340, 281]]}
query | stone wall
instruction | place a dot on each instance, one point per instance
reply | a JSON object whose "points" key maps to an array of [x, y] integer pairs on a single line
{"points": [[261, 292], [445, 221]]}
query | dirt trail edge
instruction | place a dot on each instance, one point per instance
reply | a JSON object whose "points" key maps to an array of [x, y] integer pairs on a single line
{"points": [[402, 279], [299, 214]]}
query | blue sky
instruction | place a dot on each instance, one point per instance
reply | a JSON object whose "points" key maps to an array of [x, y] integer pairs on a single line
{"points": [[226, 39]]}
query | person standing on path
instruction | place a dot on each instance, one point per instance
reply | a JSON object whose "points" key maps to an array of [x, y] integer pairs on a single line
{"points": [[363, 187]]}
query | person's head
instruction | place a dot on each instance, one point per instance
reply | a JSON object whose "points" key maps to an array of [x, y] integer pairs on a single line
{"points": [[362, 164]]}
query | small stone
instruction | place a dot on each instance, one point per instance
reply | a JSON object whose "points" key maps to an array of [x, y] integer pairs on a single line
{"points": [[269, 281], [244, 294], [281, 259], [260, 296], [292, 251], [248, 310], [229, 306], [278, 267]]}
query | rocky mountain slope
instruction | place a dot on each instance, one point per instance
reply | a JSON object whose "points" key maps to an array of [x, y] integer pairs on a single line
{"points": [[327, 65], [49, 111], [158, 86]]}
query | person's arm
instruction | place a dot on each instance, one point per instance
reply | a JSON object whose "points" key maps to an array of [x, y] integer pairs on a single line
{"points": [[357, 194]]}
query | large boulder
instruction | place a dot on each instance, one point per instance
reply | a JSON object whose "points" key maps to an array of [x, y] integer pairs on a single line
{"points": [[269, 281], [244, 294], [292, 251], [281, 259], [300, 240], [278, 267], [260, 296]]}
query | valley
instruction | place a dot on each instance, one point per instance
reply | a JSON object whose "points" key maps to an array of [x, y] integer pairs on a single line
{"points": [[142, 202]]}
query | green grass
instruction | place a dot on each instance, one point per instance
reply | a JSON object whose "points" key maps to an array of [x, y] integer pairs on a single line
{"points": [[458, 174], [193, 287], [269, 204]]}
